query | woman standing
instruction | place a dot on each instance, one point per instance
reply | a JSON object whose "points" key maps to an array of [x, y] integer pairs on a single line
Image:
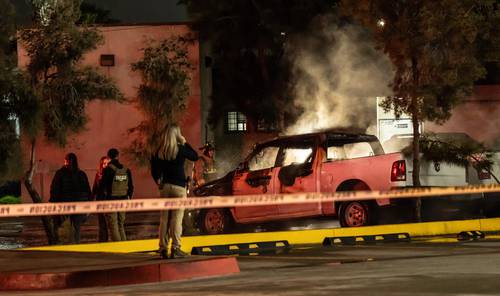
{"points": [[167, 170], [99, 194], [70, 184]]}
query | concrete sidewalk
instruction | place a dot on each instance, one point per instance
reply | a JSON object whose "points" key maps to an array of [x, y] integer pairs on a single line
{"points": [[41, 270]]}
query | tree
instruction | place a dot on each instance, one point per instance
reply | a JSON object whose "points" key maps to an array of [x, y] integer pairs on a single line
{"points": [[163, 94], [248, 41], [7, 75], [437, 48], [11, 88], [59, 88], [457, 149]]}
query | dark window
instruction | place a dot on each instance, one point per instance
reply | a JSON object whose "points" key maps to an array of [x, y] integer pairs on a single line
{"points": [[107, 60], [208, 62], [236, 121], [492, 74], [264, 125]]}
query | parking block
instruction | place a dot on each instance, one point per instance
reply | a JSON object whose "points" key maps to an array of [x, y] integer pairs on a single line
{"points": [[255, 248], [366, 239]]}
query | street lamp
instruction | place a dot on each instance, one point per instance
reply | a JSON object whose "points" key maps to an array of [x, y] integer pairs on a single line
{"points": [[381, 23]]}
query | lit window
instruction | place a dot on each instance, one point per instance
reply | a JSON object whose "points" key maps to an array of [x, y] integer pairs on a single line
{"points": [[12, 118], [236, 122]]}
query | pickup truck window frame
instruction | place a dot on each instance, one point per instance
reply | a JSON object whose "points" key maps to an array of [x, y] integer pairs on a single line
{"points": [[340, 140], [310, 142], [256, 151]]}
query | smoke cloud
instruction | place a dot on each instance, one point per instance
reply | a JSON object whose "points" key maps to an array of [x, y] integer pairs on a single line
{"points": [[337, 75]]}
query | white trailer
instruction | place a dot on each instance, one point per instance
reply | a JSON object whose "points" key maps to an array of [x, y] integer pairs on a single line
{"points": [[388, 125]]}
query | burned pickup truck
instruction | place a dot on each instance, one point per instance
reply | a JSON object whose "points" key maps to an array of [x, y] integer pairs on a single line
{"points": [[326, 161]]}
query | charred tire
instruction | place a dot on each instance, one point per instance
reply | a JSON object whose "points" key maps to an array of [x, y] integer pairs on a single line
{"points": [[214, 221], [355, 214]]}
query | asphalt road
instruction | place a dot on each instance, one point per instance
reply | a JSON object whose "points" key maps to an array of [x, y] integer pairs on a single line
{"points": [[470, 268], [28, 231]]}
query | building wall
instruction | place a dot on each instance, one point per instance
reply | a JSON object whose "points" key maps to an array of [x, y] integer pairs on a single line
{"points": [[109, 121], [478, 116], [206, 90]]}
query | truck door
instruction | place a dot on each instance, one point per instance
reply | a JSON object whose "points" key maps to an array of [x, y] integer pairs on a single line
{"points": [[256, 178], [298, 173]]}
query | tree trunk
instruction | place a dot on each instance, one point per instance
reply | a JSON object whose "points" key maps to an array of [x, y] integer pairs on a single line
{"points": [[415, 118], [48, 224], [416, 157]]}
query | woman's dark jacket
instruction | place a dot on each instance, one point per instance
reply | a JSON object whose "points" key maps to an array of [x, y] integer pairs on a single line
{"points": [[172, 171], [98, 188], [69, 185]]}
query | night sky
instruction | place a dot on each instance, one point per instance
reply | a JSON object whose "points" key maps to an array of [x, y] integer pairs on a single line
{"points": [[135, 11], [127, 11]]}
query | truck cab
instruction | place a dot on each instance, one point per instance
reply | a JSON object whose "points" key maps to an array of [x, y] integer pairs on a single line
{"points": [[325, 161]]}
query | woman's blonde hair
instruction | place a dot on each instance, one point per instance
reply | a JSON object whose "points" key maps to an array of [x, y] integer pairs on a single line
{"points": [[170, 140]]}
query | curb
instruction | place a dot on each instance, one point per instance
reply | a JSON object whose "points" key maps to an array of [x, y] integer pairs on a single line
{"points": [[296, 237], [149, 273]]}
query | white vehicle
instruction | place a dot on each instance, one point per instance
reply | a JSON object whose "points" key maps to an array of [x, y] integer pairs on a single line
{"points": [[433, 173], [444, 174]]}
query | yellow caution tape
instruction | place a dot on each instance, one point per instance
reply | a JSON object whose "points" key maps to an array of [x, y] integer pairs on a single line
{"points": [[157, 204]]}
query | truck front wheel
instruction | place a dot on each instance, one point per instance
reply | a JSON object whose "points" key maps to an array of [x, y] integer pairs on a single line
{"points": [[214, 221], [354, 214]]}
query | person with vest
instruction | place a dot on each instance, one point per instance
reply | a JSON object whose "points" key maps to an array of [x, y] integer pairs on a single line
{"points": [[167, 170], [117, 183], [68, 185]]}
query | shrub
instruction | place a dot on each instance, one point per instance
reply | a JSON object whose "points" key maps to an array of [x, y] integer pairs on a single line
{"points": [[9, 199]]}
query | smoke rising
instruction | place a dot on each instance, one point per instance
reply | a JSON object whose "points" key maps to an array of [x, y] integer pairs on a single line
{"points": [[337, 75]]}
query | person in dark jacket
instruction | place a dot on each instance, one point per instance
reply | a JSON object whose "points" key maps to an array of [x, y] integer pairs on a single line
{"points": [[167, 170], [117, 184], [98, 194], [68, 185]]}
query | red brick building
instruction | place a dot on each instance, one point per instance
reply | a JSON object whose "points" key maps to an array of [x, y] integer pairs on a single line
{"points": [[109, 121]]}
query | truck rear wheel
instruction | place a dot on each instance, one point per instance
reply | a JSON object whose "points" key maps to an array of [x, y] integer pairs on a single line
{"points": [[354, 214], [214, 221]]}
